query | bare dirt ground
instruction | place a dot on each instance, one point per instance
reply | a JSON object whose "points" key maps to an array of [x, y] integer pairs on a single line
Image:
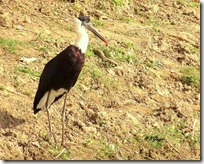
{"points": [[145, 106]]}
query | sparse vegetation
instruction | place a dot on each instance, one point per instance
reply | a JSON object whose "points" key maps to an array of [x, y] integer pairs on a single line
{"points": [[126, 19], [107, 150], [28, 71], [146, 106], [192, 49], [10, 45], [98, 23], [2, 87], [59, 153], [186, 3], [119, 53], [96, 73], [118, 2], [190, 76], [154, 64]]}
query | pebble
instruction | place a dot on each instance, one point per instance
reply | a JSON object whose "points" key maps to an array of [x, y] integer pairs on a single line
{"points": [[133, 118], [36, 144], [90, 130], [27, 60], [27, 20], [18, 27]]}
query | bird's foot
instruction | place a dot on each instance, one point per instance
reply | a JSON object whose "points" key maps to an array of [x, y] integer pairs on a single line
{"points": [[63, 144]]}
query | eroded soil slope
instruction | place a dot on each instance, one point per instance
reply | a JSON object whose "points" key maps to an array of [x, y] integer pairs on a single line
{"points": [[143, 105]]}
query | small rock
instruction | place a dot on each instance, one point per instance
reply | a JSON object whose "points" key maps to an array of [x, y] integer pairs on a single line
{"points": [[103, 115], [84, 87], [18, 27], [71, 138], [186, 87], [119, 72], [9, 134], [2, 21], [35, 144], [90, 130], [197, 97], [79, 123], [179, 85], [173, 22], [131, 117], [27, 20], [111, 72], [46, 31], [82, 104], [94, 107], [155, 8], [27, 60]]}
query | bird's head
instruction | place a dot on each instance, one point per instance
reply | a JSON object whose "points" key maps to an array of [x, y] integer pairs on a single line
{"points": [[84, 22]]}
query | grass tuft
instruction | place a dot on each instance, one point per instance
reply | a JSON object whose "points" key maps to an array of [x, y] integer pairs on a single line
{"points": [[59, 153], [121, 54], [2, 88], [118, 2], [98, 23], [28, 71], [10, 44], [190, 76]]}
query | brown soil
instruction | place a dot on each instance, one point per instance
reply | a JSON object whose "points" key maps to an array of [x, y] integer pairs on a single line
{"points": [[140, 108]]}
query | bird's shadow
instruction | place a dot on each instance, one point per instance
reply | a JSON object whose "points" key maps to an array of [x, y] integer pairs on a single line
{"points": [[7, 120]]}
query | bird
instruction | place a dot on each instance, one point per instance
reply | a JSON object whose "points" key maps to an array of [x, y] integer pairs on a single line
{"points": [[61, 72]]}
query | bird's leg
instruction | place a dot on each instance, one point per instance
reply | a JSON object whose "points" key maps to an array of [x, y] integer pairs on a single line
{"points": [[63, 118], [50, 128], [48, 116]]}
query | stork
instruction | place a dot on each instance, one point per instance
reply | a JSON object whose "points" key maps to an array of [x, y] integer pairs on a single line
{"points": [[61, 73]]}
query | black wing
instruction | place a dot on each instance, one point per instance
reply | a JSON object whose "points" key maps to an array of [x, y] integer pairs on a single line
{"points": [[60, 72], [46, 82]]}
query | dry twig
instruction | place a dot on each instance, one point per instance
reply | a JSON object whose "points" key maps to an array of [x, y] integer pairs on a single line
{"points": [[60, 153]]}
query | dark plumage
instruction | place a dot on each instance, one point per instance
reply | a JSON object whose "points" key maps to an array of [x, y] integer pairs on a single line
{"points": [[60, 72]]}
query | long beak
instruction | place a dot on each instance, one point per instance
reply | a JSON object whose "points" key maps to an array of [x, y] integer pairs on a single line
{"points": [[90, 27]]}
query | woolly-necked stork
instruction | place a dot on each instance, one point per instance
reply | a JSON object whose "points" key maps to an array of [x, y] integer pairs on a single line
{"points": [[61, 73]]}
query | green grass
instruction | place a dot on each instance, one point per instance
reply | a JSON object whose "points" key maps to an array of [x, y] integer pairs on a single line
{"points": [[107, 150], [156, 30], [98, 23], [96, 73], [89, 52], [2, 88], [69, 28], [28, 71], [45, 48], [118, 2], [58, 152], [123, 54], [89, 141], [46, 43], [190, 76], [153, 21], [10, 45], [192, 49], [155, 64], [154, 140], [187, 3], [173, 133], [194, 4], [126, 19]]}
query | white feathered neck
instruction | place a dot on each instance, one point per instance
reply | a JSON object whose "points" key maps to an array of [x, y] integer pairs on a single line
{"points": [[82, 36]]}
